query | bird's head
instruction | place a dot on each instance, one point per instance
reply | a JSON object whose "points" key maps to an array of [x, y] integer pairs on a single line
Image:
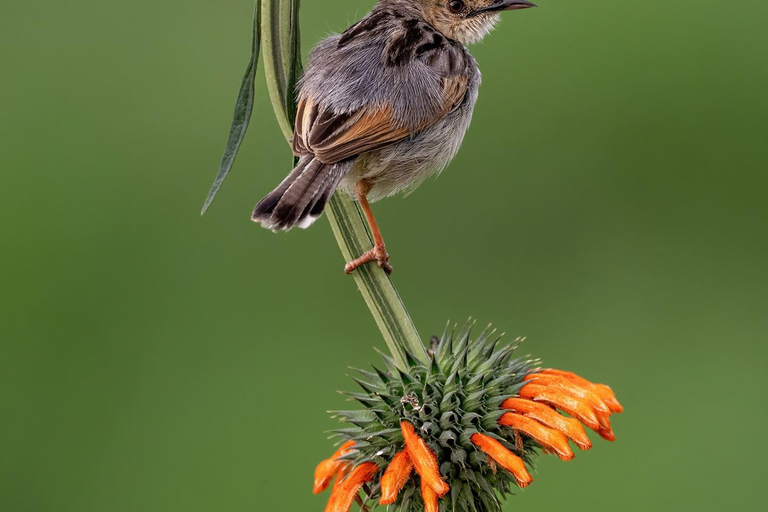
{"points": [[466, 21]]}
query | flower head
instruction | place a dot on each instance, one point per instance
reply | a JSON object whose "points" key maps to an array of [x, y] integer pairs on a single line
{"points": [[461, 429]]}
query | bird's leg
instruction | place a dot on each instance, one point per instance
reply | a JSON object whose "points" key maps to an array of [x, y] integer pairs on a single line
{"points": [[379, 251]]}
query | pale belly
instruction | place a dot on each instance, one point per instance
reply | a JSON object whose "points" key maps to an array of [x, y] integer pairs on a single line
{"points": [[403, 166]]}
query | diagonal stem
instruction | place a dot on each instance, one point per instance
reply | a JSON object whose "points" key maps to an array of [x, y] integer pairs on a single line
{"points": [[379, 293], [280, 36]]}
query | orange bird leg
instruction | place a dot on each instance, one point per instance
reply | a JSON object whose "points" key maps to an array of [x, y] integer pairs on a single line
{"points": [[548, 438], [394, 478], [503, 458], [605, 392], [584, 393], [564, 401], [547, 416], [424, 459], [429, 496], [345, 491], [379, 251], [327, 469]]}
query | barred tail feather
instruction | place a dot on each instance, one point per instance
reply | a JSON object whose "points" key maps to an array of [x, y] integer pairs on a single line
{"points": [[300, 199]]}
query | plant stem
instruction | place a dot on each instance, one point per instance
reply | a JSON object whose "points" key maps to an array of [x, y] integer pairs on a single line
{"points": [[379, 293], [278, 37], [282, 62]]}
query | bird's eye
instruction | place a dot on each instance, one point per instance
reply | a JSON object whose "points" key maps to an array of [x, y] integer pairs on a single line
{"points": [[456, 6]]}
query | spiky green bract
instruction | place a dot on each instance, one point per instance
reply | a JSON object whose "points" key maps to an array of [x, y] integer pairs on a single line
{"points": [[456, 394]]}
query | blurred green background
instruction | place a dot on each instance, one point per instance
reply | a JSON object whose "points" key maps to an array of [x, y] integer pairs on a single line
{"points": [[609, 203]]}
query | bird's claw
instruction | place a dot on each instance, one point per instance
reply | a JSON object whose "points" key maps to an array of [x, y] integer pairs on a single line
{"points": [[377, 254]]}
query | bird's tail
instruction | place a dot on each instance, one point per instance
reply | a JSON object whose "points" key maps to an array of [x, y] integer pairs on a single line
{"points": [[300, 199]]}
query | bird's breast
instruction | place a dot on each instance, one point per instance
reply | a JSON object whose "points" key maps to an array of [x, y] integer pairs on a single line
{"points": [[404, 165]]}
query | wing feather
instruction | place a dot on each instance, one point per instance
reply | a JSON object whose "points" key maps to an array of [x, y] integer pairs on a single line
{"points": [[333, 137], [454, 90]]}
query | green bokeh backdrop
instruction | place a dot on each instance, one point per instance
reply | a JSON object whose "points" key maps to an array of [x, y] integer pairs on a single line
{"points": [[609, 203]]}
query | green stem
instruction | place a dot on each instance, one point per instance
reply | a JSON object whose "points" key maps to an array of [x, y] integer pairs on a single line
{"points": [[379, 293], [282, 64], [279, 38]]}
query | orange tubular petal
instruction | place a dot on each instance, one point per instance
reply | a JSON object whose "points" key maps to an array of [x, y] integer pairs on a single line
{"points": [[394, 478], [547, 437], [585, 393], [341, 474], [606, 434], [424, 459], [605, 392], [324, 473], [327, 469], [345, 491], [562, 400], [547, 416], [605, 430], [429, 496], [503, 458]]}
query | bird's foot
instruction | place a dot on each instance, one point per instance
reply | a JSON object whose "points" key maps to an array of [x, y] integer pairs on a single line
{"points": [[378, 254]]}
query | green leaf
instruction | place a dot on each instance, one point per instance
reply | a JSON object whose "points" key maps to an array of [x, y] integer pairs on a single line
{"points": [[354, 416], [243, 111]]}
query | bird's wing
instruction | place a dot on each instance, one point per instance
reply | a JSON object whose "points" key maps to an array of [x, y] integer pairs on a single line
{"points": [[454, 91], [333, 136]]}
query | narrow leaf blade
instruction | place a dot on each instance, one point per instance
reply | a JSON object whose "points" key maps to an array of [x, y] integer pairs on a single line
{"points": [[243, 111]]}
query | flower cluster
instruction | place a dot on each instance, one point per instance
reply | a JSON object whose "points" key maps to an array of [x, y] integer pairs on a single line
{"points": [[457, 431]]}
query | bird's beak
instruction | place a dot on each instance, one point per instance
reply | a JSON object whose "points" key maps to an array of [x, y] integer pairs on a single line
{"points": [[504, 5]]}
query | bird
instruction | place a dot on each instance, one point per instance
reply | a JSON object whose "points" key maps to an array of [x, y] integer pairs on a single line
{"points": [[380, 108]]}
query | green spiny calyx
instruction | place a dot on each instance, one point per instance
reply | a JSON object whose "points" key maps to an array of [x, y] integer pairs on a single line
{"points": [[458, 393]]}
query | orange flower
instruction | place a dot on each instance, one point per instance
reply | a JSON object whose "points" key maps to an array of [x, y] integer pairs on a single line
{"points": [[328, 468], [546, 437], [564, 401], [605, 392], [429, 496], [567, 386], [533, 413], [503, 458], [550, 418], [395, 476], [424, 459], [590, 403], [345, 490]]}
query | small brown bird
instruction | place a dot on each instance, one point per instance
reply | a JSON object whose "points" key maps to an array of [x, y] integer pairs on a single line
{"points": [[381, 107]]}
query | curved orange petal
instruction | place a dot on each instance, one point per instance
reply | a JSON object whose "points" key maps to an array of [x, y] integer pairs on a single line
{"points": [[605, 392], [609, 398], [394, 478], [324, 473], [341, 474], [503, 458], [583, 392], [424, 459], [344, 491], [605, 430], [429, 496], [606, 434], [547, 437], [549, 417], [562, 400], [326, 470]]}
